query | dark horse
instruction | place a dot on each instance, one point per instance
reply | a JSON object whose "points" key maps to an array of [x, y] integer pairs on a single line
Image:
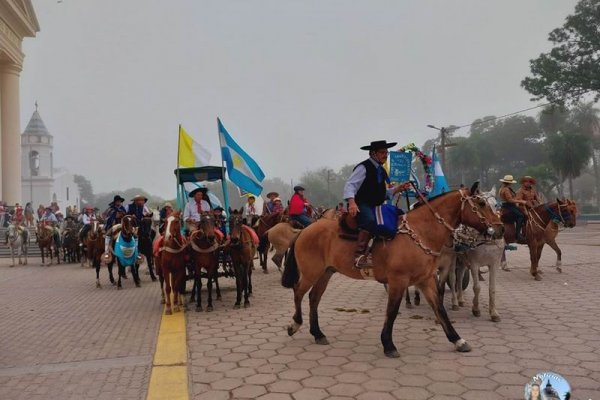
{"points": [[205, 247], [408, 259], [47, 242], [242, 250], [126, 250], [265, 223], [146, 236], [538, 218], [94, 247]]}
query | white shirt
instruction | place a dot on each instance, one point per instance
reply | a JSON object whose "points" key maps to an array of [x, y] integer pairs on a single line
{"points": [[356, 180], [86, 219], [191, 210]]}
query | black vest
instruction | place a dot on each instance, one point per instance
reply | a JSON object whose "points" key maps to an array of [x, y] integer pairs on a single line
{"points": [[371, 192]]}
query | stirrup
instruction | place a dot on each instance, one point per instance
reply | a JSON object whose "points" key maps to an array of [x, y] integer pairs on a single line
{"points": [[363, 261]]}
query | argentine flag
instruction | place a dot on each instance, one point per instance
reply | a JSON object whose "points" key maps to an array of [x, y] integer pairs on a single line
{"points": [[440, 185], [242, 170]]}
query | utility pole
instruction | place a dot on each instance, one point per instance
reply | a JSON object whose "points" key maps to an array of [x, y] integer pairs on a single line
{"points": [[443, 132]]}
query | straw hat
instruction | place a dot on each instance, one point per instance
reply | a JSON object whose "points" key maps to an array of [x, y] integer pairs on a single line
{"points": [[276, 199], [528, 178], [139, 197], [167, 204], [508, 179]]}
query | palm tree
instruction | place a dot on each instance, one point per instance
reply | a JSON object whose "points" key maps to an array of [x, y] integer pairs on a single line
{"points": [[569, 153], [586, 118]]}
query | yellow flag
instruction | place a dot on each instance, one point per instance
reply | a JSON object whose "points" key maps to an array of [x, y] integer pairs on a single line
{"points": [[191, 154]]}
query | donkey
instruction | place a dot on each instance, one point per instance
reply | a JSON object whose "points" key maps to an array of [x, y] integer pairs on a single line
{"points": [[17, 239]]}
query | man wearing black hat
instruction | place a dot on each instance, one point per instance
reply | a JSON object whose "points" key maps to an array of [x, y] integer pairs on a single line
{"points": [[194, 208], [298, 209], [365, 189], [114, 208]]}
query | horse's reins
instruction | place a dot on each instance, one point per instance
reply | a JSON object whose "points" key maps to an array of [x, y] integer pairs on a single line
{"points": [[182, 246]]}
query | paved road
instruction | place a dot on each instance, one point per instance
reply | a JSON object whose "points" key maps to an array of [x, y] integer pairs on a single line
{"points": [[548, 325], [61, 338]]}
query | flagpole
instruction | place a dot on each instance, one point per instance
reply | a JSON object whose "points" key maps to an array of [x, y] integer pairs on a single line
{"points": [[224, 179], [179, 197]]}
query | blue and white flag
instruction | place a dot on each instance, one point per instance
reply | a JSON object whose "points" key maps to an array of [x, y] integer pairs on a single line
{"points": [[242, 170], [440, 185]]}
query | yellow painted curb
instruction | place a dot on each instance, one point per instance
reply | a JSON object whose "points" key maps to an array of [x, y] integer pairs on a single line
{"points": [[169, 378]]}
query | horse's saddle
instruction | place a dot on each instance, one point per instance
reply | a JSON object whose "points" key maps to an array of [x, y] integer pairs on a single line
{"points": [[348, 227]]}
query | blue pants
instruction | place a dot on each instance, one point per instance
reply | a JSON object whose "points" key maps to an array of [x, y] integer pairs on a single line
{"points": [[302, 219], [366, 218]]}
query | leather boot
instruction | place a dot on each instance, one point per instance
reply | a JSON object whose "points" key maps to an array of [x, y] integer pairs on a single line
{"points": [[519, 233], [362, 253]]}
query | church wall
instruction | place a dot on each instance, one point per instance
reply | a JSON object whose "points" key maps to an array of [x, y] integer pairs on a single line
{"points": [[63, 185]]}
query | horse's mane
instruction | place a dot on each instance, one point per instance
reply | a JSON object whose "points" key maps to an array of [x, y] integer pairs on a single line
{"points": [[433, 199]]}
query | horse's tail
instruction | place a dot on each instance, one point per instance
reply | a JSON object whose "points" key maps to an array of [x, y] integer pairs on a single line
{"points": [[290, 274]]}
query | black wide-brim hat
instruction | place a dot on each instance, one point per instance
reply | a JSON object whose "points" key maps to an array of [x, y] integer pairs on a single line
{"points": [[201, 189], [378, 145], [118, 198]]}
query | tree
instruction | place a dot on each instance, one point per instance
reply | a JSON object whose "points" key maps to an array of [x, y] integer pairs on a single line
{"points": [[585, 118], [570, 70], [569, 153], [103, 199], [85, 189]]}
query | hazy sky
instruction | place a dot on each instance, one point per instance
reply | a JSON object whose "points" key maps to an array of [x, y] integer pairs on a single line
{"points": [[299, 84]]}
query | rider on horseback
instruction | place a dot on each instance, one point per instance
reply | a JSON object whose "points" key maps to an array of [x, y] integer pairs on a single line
{"points": [[139, 208], [114, 208], [365, 189], [86, 219], [50, 220], [510, 203], [527, 192], [250, 213], [299, 207], [268, 206]]}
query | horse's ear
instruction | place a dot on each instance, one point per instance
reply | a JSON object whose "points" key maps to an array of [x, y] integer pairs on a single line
{"points": [[474, 188], [241, 210], [558, 201], [230, 211]]}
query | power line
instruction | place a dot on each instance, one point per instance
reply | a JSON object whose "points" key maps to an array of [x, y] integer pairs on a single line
{"points": [[502, 116]]}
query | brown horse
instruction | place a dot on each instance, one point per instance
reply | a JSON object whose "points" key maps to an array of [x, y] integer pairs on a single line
{"points": [[408, 259], [265, 223], [204, 247], [242, 250], [94, 247], [563, 211], [46, 241], [171, 262]]}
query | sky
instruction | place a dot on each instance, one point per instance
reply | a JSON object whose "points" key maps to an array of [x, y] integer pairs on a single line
{"points": [[298, 84]]}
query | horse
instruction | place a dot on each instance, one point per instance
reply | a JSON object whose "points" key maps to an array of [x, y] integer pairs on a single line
{"points": [[45, 237], [94, 247], [242, 249], [204, 246], [126, 250], [281, 237], [408, 259], [70, 244], [171, 263], [264, 223], [563, 211], [17, 239], [145, 238]]}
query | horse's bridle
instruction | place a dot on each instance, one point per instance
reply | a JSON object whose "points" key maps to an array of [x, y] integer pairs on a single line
{"points": [[168, 235], [560, 217], [475, 209]]}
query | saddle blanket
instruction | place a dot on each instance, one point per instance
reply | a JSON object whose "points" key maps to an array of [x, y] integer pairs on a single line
{"points": [[252, 233], [126, 252], [156, 245]]}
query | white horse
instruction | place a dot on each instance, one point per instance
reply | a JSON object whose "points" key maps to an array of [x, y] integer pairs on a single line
{"points": [[17, 239]]}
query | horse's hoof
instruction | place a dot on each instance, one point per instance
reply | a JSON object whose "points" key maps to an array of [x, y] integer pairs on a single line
{"points": [[476, 313], [462, 346], [322, 340], [540, 271], [461, 303], [113, 283], [495, 318], [168, 311], [198, 309], [417, 301], [209, 309], [455, 307], [409, 306], [119, 287], [246, 304], [236, 306], [265, 271], [537, 277], [559, 270], [392, 353]]}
